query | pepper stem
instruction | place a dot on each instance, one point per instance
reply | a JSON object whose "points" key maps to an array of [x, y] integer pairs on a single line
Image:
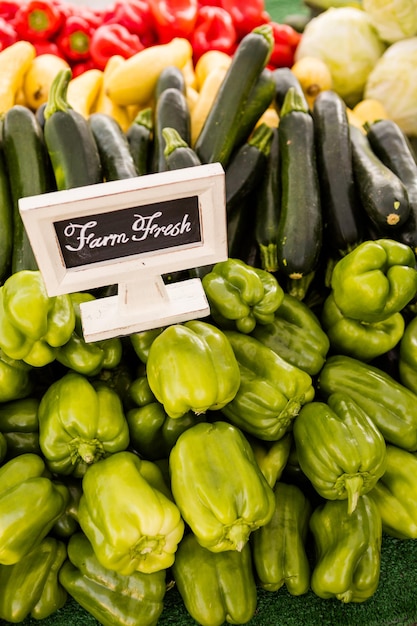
{"points": [[353, 486], [237, 534]]}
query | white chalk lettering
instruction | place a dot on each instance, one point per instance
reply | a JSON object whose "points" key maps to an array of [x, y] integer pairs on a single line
{"points": [[89, 239], [147, 226]]}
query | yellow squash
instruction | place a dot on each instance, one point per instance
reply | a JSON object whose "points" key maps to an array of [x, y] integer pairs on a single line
{"points": [[14, 63]]}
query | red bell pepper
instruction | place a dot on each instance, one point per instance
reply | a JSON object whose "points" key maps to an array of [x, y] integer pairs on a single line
{"points": [[214, 30], [8, 35], [111, 39], [74, 40], [136, 16], [246, 15], [286, 41], [8, 9], [82, 66], [47, 47], [38, 19], [174, 18]]}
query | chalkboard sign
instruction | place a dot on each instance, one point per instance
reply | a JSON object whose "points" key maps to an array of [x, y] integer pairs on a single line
{"points": [[130, 233]]}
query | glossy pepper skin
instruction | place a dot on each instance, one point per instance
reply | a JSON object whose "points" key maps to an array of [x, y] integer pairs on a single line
{"points": [[16, 379], [407, 362], [296, 335], [361, 340], [240, 296], [204, 457], [19, 425], [110, 597], [271, 392], [339, 448], [375, 280], [391, 406], [30, 504], [32, 324], [79, 424], [395, 494], [88, 358], [272, 457], [348, 550], [38, 20], [216, 587], [152, 432], [146, 537], [279, 547], [30, 587], [192, 367]]}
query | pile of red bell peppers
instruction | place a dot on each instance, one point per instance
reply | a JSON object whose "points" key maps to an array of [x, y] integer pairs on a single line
{"points": [[87, 37]]}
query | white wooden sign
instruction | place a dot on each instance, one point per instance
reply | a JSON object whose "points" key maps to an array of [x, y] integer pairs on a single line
{"points": [[130, 233]]}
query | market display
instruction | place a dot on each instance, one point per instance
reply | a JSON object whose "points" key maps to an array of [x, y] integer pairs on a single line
{"points": [[272, 444]]}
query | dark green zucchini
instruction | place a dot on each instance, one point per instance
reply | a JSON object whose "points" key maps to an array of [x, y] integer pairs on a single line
{"points": [[6, 217], [284, 78], [260, 98], [113, 147], [172, 111], [30, 174], [339, 197], [140, 137], [69, 139], [300, 229], [393, 148], [268, 207], [217, 139], [170, 76], [244, 172], [383, 195], [178, 154]]}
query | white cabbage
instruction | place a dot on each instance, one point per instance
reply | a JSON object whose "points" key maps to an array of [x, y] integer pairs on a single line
{"points": [[346, 40], [393, 82], [393, 19]]}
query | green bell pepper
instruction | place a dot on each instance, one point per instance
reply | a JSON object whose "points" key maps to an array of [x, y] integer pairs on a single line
{"points": [[30, 587], [391, 406], [407, 360], [359, 339], [240, 296], [20, 426], [32, 324], [339, 448], [296, 335], [216, 587], [3, 448], [30, 504], [271, 390], [375, 280], [80, 423], [127, 512], [87, 358], [16, 379], [279, 548], [68, 524], [142, 341], [395, 494], [218, 486], [272, 456], [192, 366], [348, 550], [110, 597], [152, 432]]}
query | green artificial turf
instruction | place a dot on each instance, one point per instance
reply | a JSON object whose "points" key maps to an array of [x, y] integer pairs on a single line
{"points": [[394, 603]]}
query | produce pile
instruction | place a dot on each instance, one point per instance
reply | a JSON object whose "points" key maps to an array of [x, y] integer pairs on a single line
{"points": [[272, 444]]}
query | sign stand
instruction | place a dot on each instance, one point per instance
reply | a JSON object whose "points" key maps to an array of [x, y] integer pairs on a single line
{"points": [[130, 233]]}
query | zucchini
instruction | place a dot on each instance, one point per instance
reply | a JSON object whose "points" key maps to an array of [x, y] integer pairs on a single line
{"points": [[300, 228], [283, 79], [6, 218], [113, 147], [242, 176], [268, 207], [260, 98], [70, 142], [140, 137], [383, 195], [171, 76], [339, 196], [30, 174], [171, 111], [217, 138], [178, 154], [391, 145]]}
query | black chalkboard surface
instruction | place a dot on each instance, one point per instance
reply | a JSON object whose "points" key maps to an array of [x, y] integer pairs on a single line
{"points": [[128, 232]]}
